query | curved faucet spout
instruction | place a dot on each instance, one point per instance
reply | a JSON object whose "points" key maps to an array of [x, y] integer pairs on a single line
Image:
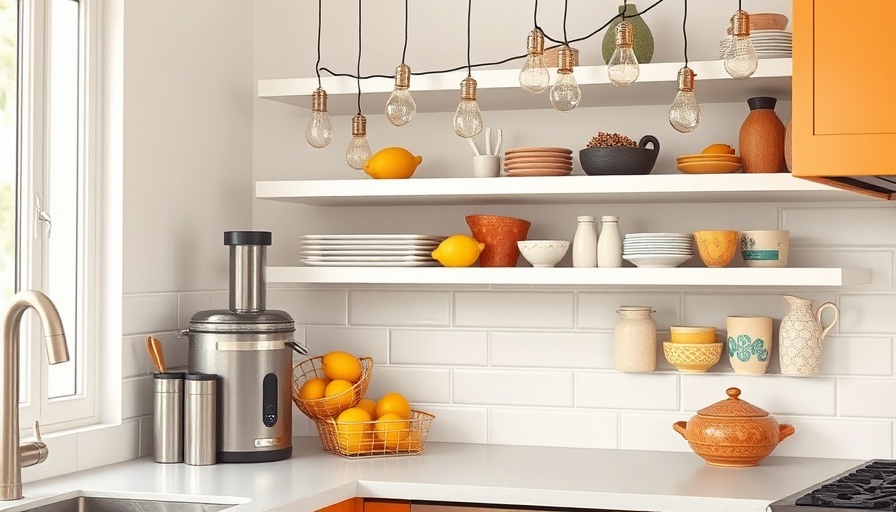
{"points": [[57, 351]]}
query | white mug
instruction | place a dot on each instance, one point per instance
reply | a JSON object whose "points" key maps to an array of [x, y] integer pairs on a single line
{"points": [[749, 343], [765, 248], [486, 166]]}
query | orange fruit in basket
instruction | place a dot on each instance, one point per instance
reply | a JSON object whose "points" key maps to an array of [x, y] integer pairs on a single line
{"points": [[391, 429], [369, 406], [336, 395], [354, 431], [393, 402], [341, 365], [313, 389]]}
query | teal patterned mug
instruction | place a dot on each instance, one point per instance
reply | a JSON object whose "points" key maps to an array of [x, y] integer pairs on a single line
{"points": [[749, 340]]}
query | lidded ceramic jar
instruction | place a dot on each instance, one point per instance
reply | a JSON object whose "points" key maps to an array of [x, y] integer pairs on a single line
{"points": [[634, 340], [733, 432]]}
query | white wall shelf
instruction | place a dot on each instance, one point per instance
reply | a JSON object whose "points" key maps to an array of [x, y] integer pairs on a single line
{"points": [[682, 276], [499, 89], [651, 188]]}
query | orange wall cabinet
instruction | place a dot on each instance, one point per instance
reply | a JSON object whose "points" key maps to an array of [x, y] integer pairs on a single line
{"points": [[844, 88], [368, 505]]}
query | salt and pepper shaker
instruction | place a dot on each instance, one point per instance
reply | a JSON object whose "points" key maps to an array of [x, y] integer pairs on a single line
{"points": [[609, 244], [200, 418], [168, 417], [584, 245]]}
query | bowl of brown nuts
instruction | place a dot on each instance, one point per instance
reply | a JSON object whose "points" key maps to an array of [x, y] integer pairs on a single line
{"points": [[612, 153]]}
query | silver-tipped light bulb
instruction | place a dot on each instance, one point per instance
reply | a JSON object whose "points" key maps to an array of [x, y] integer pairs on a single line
{"points": [[565, 93], [358, 151], [623, 67], [400, 108], [468, 117], [740, 56], [684, 115], [534, 77], [319, 132]]}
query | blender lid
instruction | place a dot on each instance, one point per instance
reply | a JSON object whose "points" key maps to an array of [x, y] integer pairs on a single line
{"points": [[226, 321]]}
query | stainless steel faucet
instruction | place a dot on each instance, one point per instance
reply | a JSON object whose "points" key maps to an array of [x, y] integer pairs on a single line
{"points": [[12, 456]]}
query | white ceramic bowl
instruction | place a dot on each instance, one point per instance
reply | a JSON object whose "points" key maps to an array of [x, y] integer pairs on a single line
{"points": [[543, 253]]}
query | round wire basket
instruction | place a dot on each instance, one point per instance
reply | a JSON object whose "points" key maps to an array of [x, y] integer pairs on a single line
{"points": [[330, 406], [361, 439]]}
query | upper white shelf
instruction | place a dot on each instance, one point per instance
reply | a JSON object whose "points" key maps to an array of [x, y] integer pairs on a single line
{"points": [[651, 188], [682, 276], [499, 89]]}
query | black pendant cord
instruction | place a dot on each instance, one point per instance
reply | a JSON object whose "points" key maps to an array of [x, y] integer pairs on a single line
{"points": [[469, 24], [535, 16], [624, 8], [404, 50], [565, 11], [359, 57], [684, 30], [739, 6], [320, 8]]}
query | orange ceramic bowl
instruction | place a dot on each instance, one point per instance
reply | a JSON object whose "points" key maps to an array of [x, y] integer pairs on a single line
{"points": [[692, 334], [717, 248]]}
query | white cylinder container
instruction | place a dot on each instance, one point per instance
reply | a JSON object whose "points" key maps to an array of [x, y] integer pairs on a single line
{"points": [[634, 340], [609, 244], [584, 245]]}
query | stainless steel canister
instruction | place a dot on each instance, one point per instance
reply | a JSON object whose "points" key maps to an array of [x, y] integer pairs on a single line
{"points": [[200, 419], [168, 417]]}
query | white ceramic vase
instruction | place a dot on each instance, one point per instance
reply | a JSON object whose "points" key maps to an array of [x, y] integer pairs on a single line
{"points": [[801, 336]]}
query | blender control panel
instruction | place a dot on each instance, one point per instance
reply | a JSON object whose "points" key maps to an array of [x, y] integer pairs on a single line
{"points": [[269, 400]]}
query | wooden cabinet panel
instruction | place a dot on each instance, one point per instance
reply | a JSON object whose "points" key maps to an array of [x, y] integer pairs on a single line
{"points": [[844, 107], [349, 505], [373, 505]]}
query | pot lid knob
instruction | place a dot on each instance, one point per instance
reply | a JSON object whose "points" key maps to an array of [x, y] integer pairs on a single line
{"points": [[733, 393]]}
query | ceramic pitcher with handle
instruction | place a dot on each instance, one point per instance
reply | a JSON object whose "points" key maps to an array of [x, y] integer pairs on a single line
{"points": [[802, 335]]}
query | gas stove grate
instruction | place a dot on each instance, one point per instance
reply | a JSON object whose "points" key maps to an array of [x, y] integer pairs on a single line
{"points": [[870, 487]]}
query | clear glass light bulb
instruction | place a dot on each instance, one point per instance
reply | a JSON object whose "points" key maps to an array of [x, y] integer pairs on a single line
{"points": [[740, 59], [400, 108], [319, 132], [358, 151], [534, 77], [565, 93], [740, 56], [684, 115], [623, 69], [468, 117]]}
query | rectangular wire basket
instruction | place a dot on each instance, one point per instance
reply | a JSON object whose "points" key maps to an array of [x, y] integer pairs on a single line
{"points": [[356, 440]]}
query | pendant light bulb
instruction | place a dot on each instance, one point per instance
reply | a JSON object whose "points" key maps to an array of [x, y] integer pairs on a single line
{"points": [[740, 56], [358, 151], [468, 118], [623, 67], [319, 132], [534, 77], [684, 115], [400, 108], [565, 93]]}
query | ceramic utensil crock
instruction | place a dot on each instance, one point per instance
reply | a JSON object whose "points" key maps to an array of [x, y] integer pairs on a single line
{"points": [[733, 432]]}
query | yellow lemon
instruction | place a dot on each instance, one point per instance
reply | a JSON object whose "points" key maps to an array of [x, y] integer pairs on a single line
{"points": [[458, 251], [391, 429], [392, 163], [354, 430], [313, 389], [341, 365], [719, 149], [338, 397], [369, 406], [394, 403]]}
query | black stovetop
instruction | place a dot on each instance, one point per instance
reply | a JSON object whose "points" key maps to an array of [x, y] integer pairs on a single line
{"points": [[869, 486]]}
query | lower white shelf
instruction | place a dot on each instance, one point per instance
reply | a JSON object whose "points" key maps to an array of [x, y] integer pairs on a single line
{"points": [[682, 276]]}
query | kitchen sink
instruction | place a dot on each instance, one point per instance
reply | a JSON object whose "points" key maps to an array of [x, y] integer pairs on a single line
{"points": [[119, 504]]}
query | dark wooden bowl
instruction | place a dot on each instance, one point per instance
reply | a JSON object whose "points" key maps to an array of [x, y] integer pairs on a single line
{"points": [[621, 160]]}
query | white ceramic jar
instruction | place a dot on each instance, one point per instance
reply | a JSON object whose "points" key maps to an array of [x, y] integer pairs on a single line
{"points": [[609, 243], [634, 340], [584, 245]]}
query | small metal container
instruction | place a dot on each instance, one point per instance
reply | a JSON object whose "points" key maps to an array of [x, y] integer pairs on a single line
{"points": [[200, 418], [168, 418]]}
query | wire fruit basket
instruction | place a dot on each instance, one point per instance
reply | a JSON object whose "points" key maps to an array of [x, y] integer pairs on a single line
{"points": [[328, 407], [365, 439]]}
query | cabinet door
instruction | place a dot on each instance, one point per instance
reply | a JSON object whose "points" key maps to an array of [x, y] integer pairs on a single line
{"points": [[374, 505], [844, 104], [349, 505]]}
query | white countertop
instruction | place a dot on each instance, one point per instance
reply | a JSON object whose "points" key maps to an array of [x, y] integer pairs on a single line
{"points": [[471, 473]]}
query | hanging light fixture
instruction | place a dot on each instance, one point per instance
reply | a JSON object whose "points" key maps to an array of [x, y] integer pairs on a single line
{"points": [[623, 69], [565, 93], [685, 115], [319, 131], [534, 77], [740, 56], [468, 117], [358, 151], [400, 108]]}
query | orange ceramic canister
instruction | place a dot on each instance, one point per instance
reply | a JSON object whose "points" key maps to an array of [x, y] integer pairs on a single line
{"points": [[762, 137]]}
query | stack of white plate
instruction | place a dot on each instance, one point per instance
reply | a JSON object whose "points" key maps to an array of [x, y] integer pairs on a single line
{"points": [[769, 44], [658, 250], [379, 250], [538, 161]]}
